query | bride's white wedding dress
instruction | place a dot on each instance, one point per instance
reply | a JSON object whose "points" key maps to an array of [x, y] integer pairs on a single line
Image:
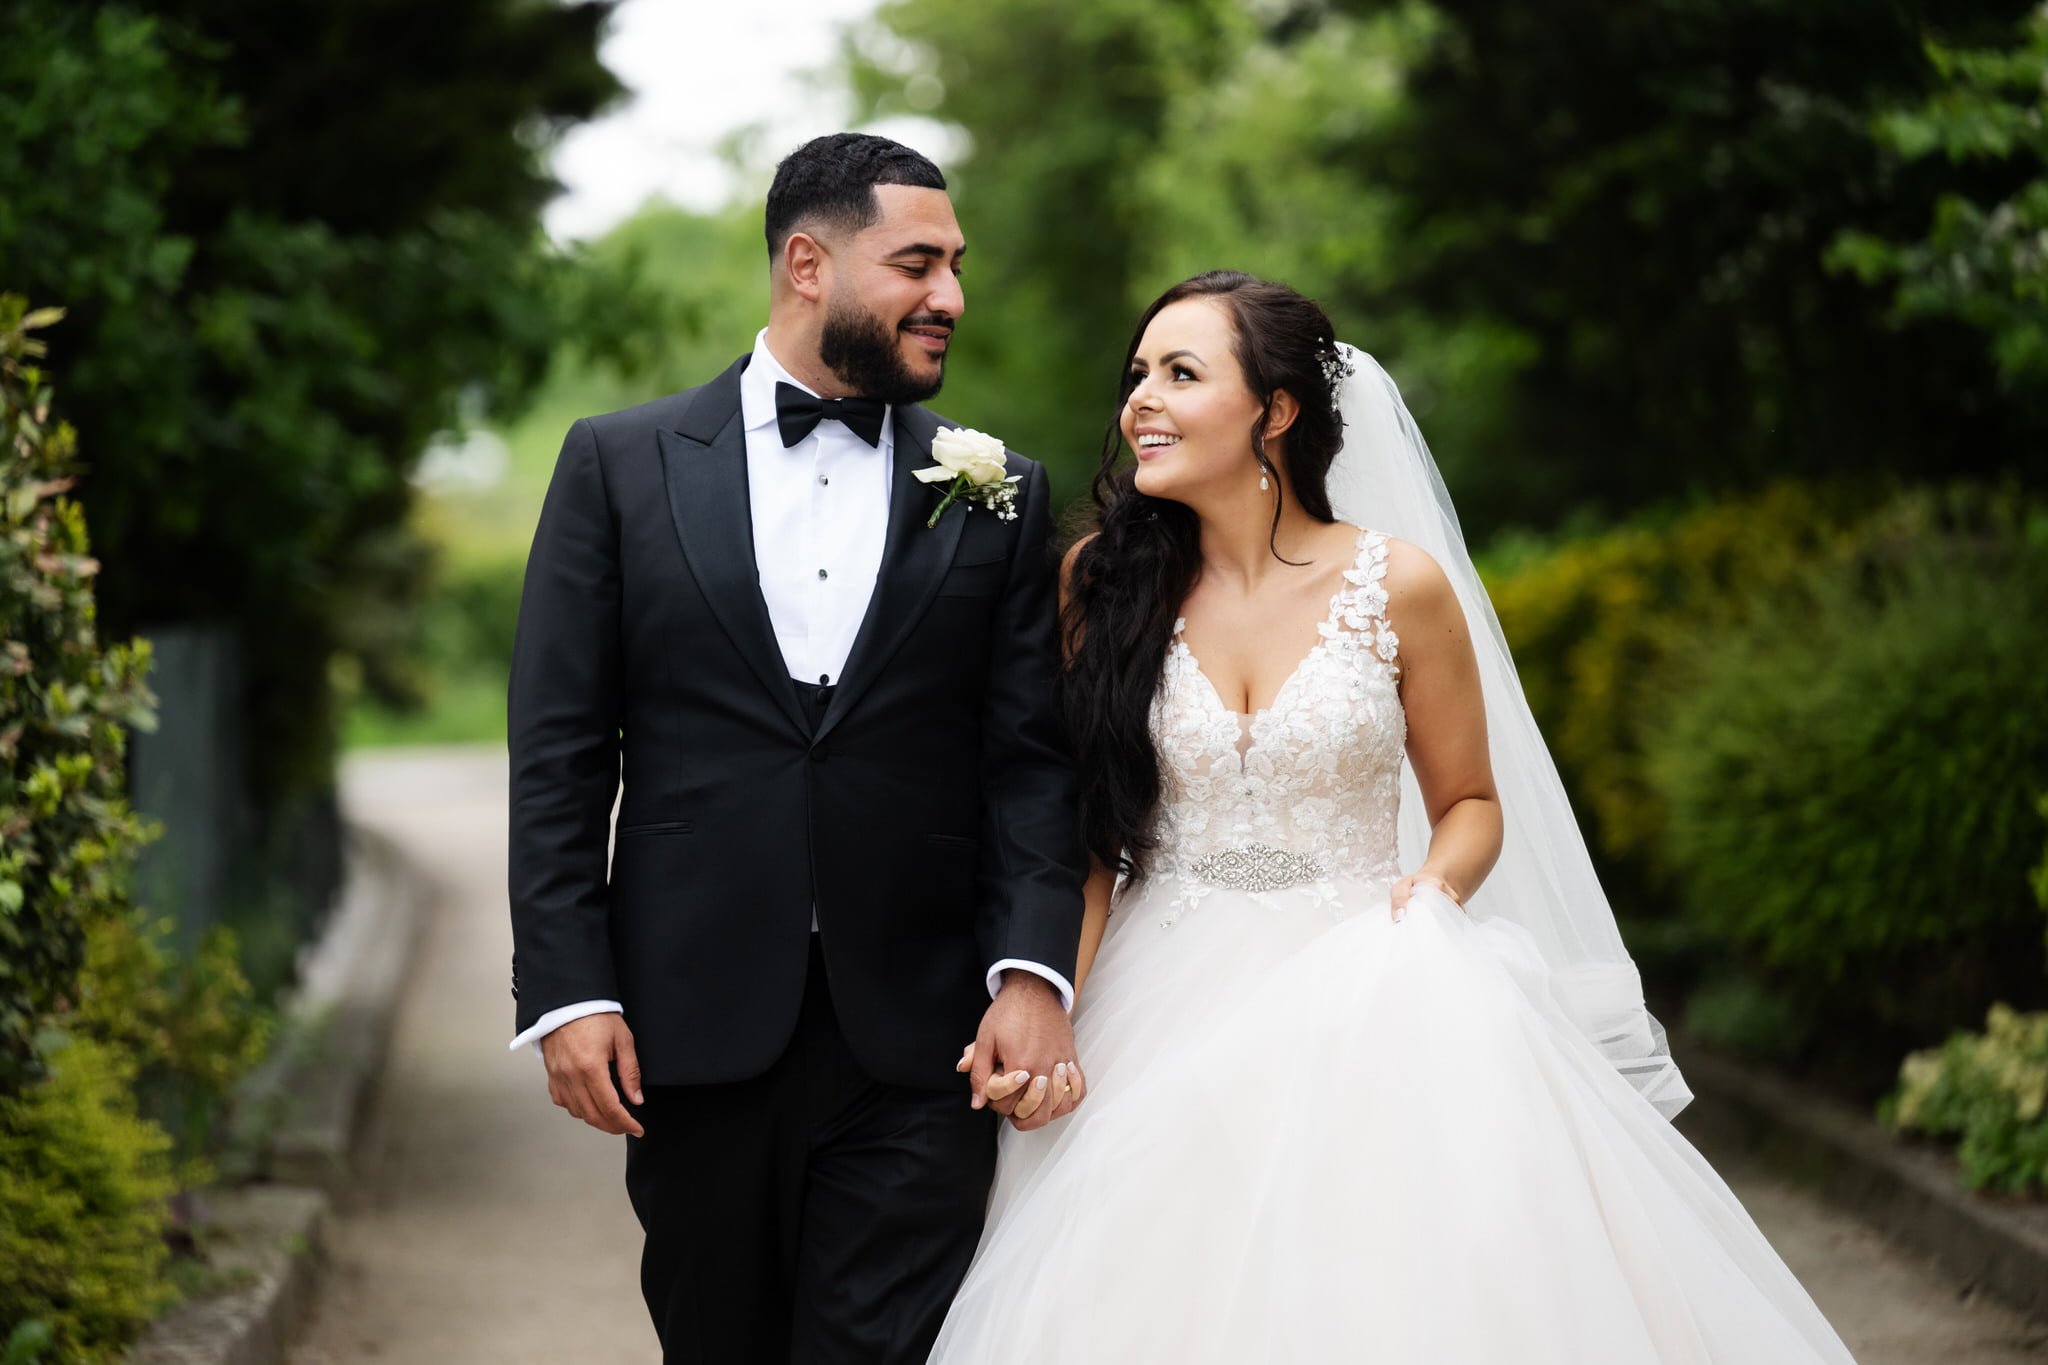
{"points": [[1313, 1134]]}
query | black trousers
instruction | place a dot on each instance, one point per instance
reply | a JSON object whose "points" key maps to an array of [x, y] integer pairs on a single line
{"points": [[810, 1215]]}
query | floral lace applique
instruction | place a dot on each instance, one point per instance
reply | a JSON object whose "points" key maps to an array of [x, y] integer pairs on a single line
{"points": [[1317, 772]]}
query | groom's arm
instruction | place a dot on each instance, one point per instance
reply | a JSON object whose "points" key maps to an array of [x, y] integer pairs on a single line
{"points": [[563, 735], [1031, 863]]}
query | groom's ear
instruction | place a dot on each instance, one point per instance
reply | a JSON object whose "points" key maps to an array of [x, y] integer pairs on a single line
{"points": [[804, 265]]}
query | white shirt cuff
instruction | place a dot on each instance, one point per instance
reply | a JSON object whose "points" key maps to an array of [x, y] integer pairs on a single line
{"points": [[1060, 983], [555, 1018]]}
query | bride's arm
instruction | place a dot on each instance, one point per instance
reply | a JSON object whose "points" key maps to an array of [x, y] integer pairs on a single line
{"points": [[1094, 918], [1446, 725]]}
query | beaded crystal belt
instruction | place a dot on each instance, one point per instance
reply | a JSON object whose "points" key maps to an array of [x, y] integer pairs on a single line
{"points": [[1259, 867]]}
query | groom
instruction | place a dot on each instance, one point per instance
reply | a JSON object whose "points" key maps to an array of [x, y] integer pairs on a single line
{"points": [[846, 840]]}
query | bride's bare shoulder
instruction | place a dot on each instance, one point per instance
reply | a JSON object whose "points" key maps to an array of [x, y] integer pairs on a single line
{"points": [[1418, 589]]}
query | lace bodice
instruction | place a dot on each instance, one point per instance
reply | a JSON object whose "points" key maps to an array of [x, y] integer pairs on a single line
{"points": [[1305, 791]]}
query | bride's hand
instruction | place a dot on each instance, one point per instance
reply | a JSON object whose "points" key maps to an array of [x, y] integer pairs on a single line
{"points": [[1405, 888], [1063, 1089], [998, 1087]]}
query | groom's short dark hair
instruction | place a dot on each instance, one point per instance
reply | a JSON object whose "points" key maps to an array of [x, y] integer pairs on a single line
{"points": [[830, 181]]}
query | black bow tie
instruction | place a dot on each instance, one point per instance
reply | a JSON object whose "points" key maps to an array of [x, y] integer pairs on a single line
{"points": [[797, 414]]}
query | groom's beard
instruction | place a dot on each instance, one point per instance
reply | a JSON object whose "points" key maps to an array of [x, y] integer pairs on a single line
{"points": [[865, 353]]}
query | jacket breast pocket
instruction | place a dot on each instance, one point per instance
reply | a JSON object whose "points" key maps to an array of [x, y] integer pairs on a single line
{"points": [[975, 580]]}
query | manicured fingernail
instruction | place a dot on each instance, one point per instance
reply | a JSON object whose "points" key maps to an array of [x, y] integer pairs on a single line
{"points": [[1038, 1084], [1060, 1071]]}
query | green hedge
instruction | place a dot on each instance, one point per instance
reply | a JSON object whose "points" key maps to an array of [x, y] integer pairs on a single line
{"points": [[83, 1184], [1596, 624], [67, 836], [1849, 782], [106, 1035]]}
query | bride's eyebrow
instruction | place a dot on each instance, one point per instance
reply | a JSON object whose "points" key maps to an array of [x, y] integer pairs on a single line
{"points": [[1140, 363]]}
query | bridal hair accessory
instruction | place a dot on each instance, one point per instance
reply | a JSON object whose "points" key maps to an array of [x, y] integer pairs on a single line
{"points": [[971, 464], [1336, 369], [1543, 889]]}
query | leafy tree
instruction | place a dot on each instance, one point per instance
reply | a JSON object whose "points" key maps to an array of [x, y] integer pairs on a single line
{"points": [[1594, 242], [1984, 260], [1647, 194], [292, 238]]}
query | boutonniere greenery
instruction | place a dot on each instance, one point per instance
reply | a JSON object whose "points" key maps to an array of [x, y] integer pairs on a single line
{"points": [[970, 464]]}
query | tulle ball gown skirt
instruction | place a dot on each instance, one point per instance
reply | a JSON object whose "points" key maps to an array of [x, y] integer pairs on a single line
{"points": [[1315, 1135]]}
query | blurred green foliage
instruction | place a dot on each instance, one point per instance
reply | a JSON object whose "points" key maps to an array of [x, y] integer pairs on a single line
{"points": [[699, 285], [1599, 622], [67, 835], [292, 239], [1849, 779], [1983, 260], [188, 1024], [106, 1034], [1590, 240], [83, 1185], [1989, 1091]]}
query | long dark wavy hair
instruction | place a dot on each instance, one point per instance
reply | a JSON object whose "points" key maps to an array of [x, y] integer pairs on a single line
{"points": [[1127, 583]]}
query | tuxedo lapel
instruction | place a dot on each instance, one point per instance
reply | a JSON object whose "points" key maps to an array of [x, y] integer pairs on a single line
{"points": [[704, 467], [914, 559]]}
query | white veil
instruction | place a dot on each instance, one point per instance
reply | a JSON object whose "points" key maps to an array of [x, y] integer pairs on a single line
{"points": [[1385, 480]]}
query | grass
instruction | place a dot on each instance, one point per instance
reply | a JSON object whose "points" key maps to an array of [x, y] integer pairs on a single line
{"points": [[464, 710]]}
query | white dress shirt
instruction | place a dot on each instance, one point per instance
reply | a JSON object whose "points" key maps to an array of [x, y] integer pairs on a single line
{"points": [[820, 512]]}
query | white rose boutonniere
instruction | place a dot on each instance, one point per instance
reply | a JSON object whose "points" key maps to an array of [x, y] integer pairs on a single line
{"points": [[970, 463]]}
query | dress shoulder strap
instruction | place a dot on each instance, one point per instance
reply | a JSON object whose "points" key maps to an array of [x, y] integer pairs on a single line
{"points": [[1361, 605]]}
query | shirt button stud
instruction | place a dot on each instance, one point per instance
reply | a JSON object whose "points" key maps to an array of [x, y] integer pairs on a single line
{"points": [[821, 573]]}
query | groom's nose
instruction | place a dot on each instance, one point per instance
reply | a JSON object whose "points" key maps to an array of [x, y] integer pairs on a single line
{"points": [[946, 296]]}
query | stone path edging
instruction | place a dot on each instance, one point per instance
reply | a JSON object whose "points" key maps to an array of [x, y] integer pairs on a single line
{"points": [[1913, 1194], [297, 1116]]}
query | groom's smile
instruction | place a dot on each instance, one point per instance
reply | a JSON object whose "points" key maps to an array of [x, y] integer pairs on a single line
{"points": [[934, 336]]}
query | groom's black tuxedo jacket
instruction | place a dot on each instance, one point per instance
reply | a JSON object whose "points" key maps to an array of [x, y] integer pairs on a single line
{"points": [[927, 815]]}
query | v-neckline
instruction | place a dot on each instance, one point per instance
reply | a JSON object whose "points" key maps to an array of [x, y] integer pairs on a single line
{"points": [[1247, 720]]}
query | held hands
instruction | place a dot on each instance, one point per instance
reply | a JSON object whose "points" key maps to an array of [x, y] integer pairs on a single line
{"points": [[1406, 887], [579, 1056], [1021, 1095], [1025, 1030]]}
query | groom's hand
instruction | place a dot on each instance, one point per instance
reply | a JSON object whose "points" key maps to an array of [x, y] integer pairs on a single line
{"points": [[1025, 1029], [579, 1057]]}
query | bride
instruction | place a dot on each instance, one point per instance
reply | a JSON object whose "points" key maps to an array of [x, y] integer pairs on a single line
{"points": [[1337, 1110]]}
